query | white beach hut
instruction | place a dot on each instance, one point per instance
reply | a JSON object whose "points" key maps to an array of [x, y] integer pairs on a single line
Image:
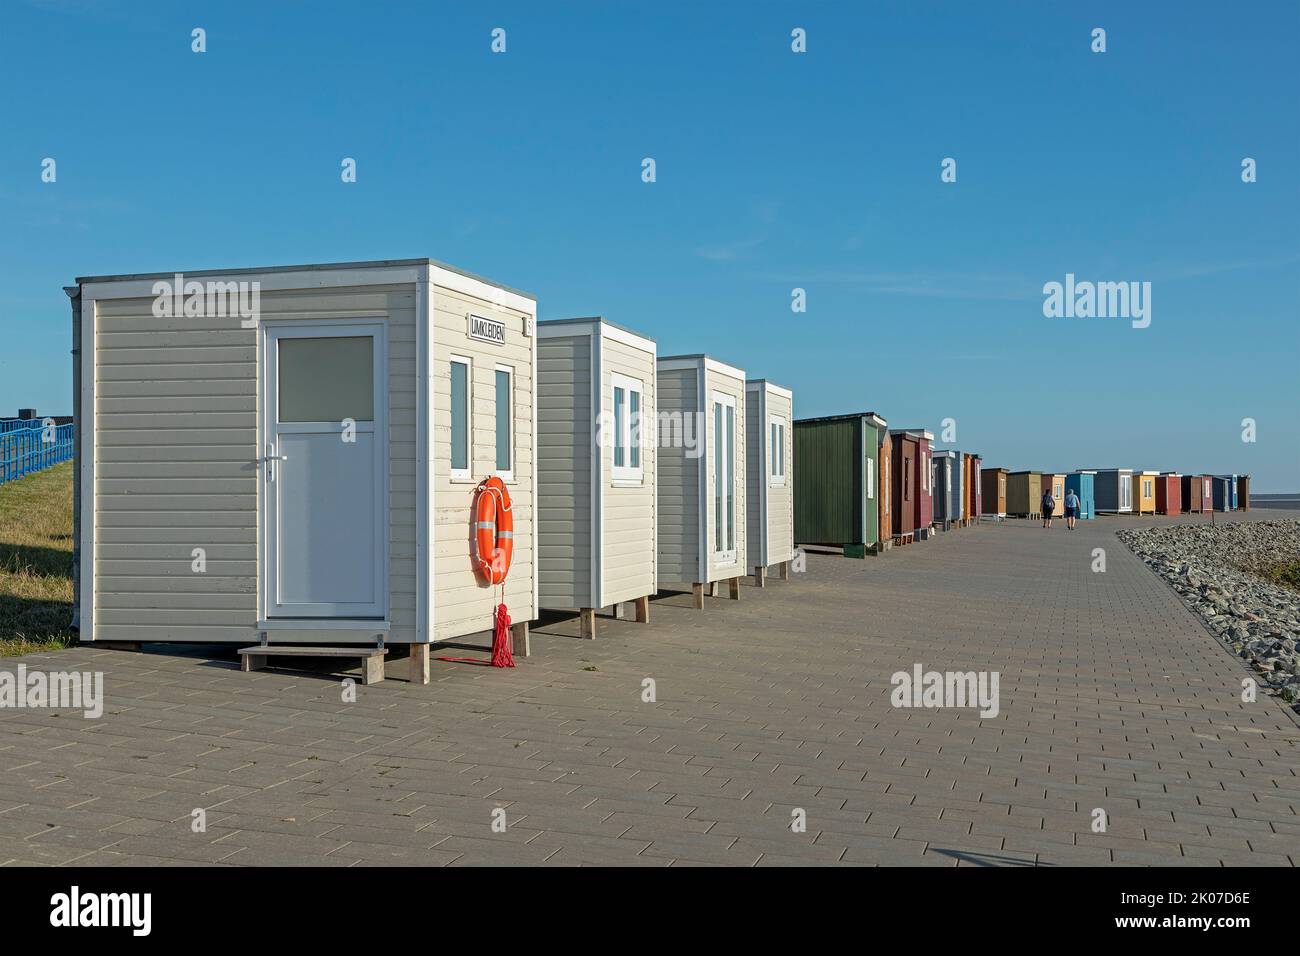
{"points": [[769, 477], [701, 480], [596, 468], [288, 456]]}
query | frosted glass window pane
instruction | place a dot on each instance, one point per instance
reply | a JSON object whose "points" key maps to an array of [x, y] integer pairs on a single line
{"points": [[327, 379], [460, 416], [634, 417], [504, 409], [618, 428]]}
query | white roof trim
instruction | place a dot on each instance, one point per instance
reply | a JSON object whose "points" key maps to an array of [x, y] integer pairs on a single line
{"points": [[559, 328], [468, 285], [722, 368], [917, 432], [754, 384], [268, 281], [275, 280], [624, 337], [703, 361]]}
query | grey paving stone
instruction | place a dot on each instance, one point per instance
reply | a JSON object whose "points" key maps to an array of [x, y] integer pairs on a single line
{"points": [[1112, 695]]}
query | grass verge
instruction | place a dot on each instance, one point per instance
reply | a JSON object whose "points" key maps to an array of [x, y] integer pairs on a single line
{"points": [[36, 562]]}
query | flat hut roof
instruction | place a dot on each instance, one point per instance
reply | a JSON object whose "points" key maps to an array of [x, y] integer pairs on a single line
{"points": [[589, 323], [757, 383], [914, 432], [699, 358], [304, 267], [876, 418]]}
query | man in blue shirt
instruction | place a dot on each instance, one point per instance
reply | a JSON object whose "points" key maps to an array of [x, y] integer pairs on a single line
{"points": [[1071, 508]]}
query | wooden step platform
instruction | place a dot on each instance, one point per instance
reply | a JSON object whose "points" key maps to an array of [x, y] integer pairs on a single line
{"points": [[371, 658]]}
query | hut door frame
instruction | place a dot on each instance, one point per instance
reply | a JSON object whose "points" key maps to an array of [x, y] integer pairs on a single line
{"points": [[286, 469]]}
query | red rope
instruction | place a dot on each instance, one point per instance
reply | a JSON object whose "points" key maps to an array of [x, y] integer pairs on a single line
{"points": [[502, 653]]}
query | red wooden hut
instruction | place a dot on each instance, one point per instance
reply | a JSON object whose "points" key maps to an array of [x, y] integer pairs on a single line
{"points": [[923, 491], [1169, 493], [905, 484], [1198, 493]]}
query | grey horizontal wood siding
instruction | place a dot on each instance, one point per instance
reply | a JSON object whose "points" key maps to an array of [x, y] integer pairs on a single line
{"points": [[176, 438], [565, 412], [678, 496]]}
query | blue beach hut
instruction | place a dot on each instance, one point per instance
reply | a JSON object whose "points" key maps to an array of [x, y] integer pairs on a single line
{"points": [[1083, 484]]}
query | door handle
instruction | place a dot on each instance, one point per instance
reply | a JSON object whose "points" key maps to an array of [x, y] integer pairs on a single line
{"points": [[270, 458]]}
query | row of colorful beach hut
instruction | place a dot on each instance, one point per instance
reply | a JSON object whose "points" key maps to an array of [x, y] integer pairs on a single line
{"points": [[1019, 494], [864, 487], [383, 453]]}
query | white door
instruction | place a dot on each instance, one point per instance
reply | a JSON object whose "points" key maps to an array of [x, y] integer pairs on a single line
{"points": [[1126, 492], [324, 474], [724, 479]]}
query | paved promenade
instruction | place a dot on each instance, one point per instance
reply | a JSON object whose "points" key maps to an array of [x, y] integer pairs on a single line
{"points": [[1113, 697]]}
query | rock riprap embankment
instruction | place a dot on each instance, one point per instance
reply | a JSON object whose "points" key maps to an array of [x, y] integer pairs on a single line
{"points": [[1220, 570]]}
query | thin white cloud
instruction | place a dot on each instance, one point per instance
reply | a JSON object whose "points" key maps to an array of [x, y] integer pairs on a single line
{"points": [[923, 285], [730, 251]]}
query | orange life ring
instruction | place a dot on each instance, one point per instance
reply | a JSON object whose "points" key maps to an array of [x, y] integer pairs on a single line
{"points": [[494, 530]]}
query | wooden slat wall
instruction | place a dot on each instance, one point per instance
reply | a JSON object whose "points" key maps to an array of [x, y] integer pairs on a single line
{"points": [[176, 436], [565, 419], [628, 565], [463, 604]]}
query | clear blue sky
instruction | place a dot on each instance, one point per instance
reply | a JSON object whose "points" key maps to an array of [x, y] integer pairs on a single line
{"points": [[775, 170]]}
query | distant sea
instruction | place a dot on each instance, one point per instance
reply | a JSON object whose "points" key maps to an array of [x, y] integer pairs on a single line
{"points": [[1290, 500]]}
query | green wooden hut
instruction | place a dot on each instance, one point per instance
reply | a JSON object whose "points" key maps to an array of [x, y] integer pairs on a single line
{"points": [[837, 482]]}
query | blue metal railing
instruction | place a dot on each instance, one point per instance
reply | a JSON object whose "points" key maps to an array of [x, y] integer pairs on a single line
{"points": [[28, 445]]}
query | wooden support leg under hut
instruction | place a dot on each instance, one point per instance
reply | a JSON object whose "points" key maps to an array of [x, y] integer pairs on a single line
{"points": [[420, 663], [519, 639]]}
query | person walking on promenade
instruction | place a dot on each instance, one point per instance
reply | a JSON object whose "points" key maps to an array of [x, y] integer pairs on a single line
{"points": [[1071, 509], [1048, 505]]}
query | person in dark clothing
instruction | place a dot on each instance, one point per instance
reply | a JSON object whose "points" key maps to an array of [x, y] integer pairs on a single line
{"points": [[1048, 506]]}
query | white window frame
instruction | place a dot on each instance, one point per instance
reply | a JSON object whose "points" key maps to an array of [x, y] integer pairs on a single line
{"points": [[776, 480], [507, 474], [466, 473], [728, 557], [627, 473], [871, 479]]}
